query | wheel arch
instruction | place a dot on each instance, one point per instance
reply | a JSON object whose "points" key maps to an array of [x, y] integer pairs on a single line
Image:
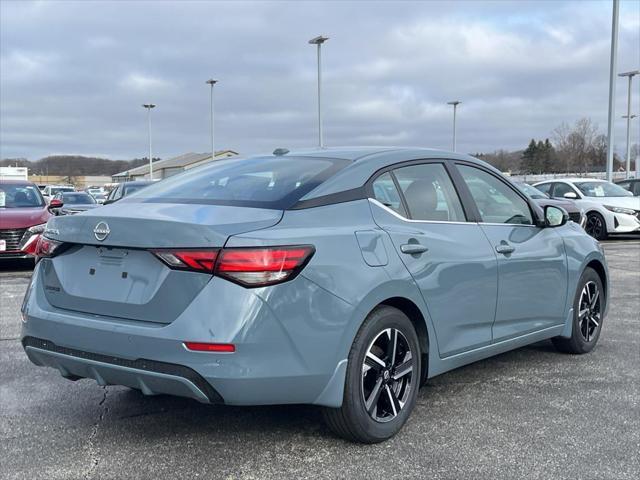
{"points": [[600, 269], [413, 312]]}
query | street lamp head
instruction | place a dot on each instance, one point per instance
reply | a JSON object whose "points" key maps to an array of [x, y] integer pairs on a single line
{"points": [[454, 102], [318, 40], [627, 116], [212, 82], [629, 74], [149, 105]]}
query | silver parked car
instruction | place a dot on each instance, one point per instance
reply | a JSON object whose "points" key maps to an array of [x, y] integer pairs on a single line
{"points": [[343, 278]]}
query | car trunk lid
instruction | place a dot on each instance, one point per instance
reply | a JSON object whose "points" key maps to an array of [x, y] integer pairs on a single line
{"points": [[118, 276]]}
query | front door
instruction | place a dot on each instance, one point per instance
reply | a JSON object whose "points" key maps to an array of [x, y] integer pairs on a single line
{"points": [[449, 258], [532, 265]]}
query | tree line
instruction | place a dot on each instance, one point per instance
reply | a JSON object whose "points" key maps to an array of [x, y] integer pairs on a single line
{"points": [[577, 148], [74, 165]]}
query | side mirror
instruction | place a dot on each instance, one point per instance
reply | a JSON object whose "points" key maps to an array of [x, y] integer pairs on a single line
{"points": [[54, 203], [107, 201], [555, 216], [571, 195]]}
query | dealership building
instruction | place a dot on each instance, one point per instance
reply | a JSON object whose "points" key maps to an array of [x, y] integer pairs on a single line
{"points": [[171, 166]]}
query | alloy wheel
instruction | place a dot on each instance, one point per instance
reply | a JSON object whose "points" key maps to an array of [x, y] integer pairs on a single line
{"points": [[589, 310], [595, 226], [387, 375]]}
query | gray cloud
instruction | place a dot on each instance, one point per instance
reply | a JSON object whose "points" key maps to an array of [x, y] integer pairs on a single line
{"points": [[73, 74]]}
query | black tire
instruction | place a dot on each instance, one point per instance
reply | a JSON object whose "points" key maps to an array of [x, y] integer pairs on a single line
{"points": [[579, 342], [596, 226], [353, 421]]}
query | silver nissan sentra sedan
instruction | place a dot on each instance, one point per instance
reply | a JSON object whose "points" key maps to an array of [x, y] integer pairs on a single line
{"points": [[343, 278]]}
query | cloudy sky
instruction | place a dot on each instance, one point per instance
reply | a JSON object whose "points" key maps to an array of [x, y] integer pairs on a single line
{"points": [[74, 74]]}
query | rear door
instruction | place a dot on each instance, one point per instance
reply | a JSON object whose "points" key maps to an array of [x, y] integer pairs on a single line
{"points": [[449, 257], [532, 265]]}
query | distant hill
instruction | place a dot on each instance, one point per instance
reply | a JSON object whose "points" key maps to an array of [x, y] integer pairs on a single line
{"points": [[74, 165]]}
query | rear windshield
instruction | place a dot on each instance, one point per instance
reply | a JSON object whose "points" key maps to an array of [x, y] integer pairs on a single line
{"points": [[264, 182], [77, 198]]}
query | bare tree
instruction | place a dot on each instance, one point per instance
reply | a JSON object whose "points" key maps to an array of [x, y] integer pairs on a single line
{"points": [[577, 146]]}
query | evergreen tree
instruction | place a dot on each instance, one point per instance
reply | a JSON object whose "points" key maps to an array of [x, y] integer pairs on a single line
{"points": [[529, 157]]}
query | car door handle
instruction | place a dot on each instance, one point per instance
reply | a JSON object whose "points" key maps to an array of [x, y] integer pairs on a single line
{"points": [[413, 248], [505, 248]]}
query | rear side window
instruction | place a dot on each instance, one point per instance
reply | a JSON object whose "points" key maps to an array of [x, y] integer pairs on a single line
{"points": [[385, 191], [429, 193], [496, 201], [265, 182]]}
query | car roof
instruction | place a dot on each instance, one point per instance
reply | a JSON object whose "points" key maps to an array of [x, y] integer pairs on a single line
{"points": [[365, 161], [7, 181], [137, 182], [571, 180]]}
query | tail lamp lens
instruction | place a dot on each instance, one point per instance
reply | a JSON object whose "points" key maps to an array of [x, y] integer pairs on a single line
{"points": [[196, 260], [249, 267], [46, 247], [254, 267]]}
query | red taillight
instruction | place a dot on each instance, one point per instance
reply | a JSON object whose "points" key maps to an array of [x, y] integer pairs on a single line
{"points": [[31, 246], [255, 267], [249, 267], [196, 260], [210, 347], [46, 247]]}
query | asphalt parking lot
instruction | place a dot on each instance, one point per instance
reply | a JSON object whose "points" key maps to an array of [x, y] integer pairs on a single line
{"points": [[530, 413]]}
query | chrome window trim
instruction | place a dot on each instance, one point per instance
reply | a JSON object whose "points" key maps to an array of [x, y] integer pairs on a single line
{"points": [[410, 220]]}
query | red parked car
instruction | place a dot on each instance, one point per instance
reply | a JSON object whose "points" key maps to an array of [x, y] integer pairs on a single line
{"points": [[23, 215]]}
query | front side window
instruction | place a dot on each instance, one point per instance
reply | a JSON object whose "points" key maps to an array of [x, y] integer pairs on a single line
{"points": [[561, 188], [496, 201], [429, 193], [385, 191], [265, 182]]}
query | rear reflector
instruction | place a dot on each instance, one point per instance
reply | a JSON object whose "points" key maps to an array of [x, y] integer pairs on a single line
{"points": [[210, 347]]}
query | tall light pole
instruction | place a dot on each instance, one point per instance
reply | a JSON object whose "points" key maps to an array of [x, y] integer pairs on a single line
{"points": [[612, 87], [629, 117], [149, 106], [319, 41], [212, 82], [455, 104]]}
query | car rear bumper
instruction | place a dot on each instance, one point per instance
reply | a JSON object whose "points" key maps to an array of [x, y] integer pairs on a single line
{"points": [[150, 377], [269, 365]]}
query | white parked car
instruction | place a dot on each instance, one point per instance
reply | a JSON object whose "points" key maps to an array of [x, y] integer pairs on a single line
{"points": [[609, 208], [50, 191]]}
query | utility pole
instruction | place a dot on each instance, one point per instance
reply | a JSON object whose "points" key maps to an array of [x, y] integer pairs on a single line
{"points": [[612, 87], [212, 82], [455, 104], [319, 41], [628, 116], [149, 106]]}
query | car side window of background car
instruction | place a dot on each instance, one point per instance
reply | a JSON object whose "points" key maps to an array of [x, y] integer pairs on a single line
{"points": [[545, 188], [496, 201], [561, 188], [429, 193], [385, 191]]}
